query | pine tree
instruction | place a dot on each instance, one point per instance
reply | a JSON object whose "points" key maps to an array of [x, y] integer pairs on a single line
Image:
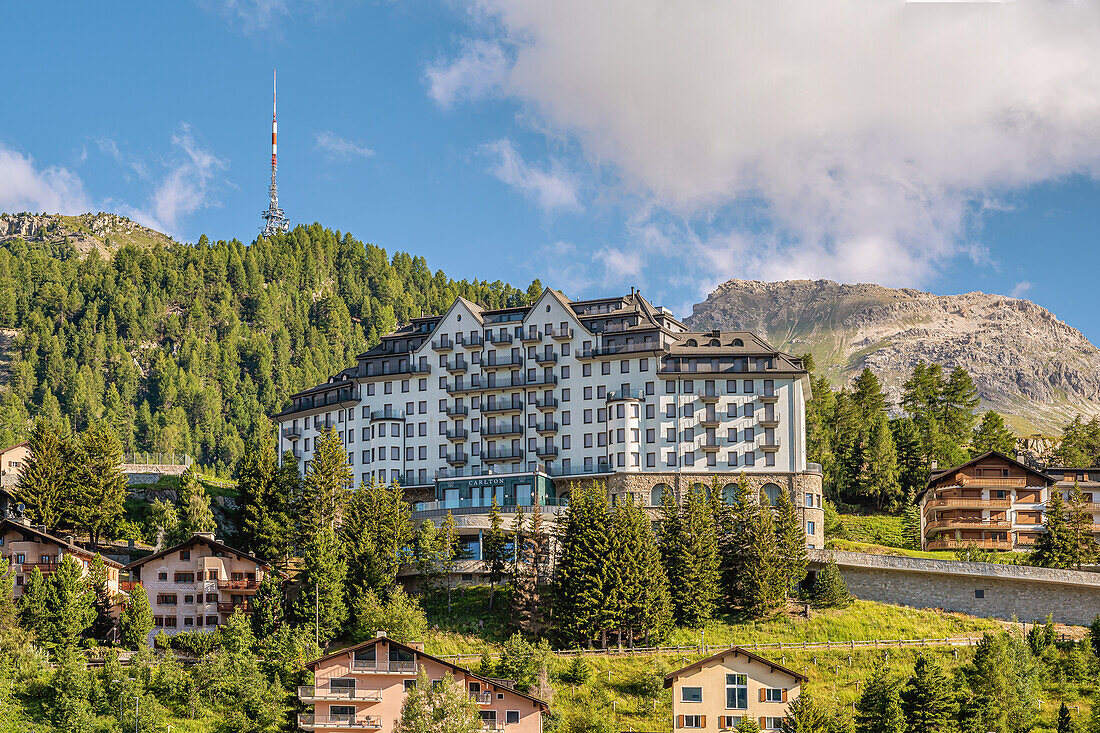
{"points": [[804, 715], [763, 581], [104, 625], [581, 575], [927, 699], [494, 550], [830, 590], [267, 607], [45, 480], [694, 590], [33, 611], [101, 486], [992, 435], [878, 709], [790, 540], [1065, 722], [136, 622], [321, 602], [70, 606], [1083, 548], [1054, 547], [639, 591]]}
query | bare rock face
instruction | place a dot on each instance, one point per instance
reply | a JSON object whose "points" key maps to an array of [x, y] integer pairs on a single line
{"points": [[1026, 363], [103, 231]]}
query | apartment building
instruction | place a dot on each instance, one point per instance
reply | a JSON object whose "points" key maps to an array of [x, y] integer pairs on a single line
{"points": [[523, 403], [720, 692], [995, 502], [198, 584], [12, 460], [363, 688], [28, 546]]}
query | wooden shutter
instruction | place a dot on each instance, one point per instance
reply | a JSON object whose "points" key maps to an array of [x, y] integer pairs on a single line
{"points": [[784, 694], [679, 721], [763, 694], [702, 721], [763, 722]]}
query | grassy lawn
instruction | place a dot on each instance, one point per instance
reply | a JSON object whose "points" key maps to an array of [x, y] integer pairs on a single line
{"points": [[877, 529]]}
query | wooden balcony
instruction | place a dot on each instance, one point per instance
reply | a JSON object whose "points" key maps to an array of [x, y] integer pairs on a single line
{"points": [[252, 585], [312, 693], [975, 503], [998, 482], [967, 523], [951, 544], [339, 722], [231, 607]]}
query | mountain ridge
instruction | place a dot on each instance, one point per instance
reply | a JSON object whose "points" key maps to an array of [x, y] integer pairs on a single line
{"points": [[1026, 362]]}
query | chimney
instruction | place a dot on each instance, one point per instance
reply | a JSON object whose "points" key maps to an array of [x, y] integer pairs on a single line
{"points": [[206, 536], [935, 465], [380, 634]]}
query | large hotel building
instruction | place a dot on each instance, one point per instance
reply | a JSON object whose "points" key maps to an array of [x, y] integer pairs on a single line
{"points": [[522, 403]]}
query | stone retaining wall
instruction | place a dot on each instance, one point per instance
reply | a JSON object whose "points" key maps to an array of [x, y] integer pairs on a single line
{"points": [[982, 589]]}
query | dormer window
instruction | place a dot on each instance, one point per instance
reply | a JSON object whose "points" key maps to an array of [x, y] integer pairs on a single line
{"points": [[738, 342]]}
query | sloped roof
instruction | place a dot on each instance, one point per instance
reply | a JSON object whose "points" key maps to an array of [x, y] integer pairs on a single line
{"points": [[64, 544], [195, 539], [734, 651], [937, 475]]}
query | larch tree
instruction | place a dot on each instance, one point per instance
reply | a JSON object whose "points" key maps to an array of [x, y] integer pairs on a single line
{"points": [[992, 435]]}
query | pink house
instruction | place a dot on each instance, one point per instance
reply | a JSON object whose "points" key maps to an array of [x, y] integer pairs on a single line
{"points": [[363, 688]]}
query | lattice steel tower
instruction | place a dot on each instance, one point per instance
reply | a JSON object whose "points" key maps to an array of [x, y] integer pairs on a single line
{"points": [[275, 220]]}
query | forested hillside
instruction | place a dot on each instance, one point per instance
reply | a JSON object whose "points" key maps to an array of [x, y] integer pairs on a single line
{"points": [[187, 348]]}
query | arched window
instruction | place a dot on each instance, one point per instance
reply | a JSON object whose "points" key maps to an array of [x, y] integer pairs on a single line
{"points": [[691, 342], [729, 494], [657, 494], [714, 342], [772, 492], [738, 342]]}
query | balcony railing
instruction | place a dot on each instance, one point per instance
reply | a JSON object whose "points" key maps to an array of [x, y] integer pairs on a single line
{"points": [[509, 363], [481, 698], [545, 427], [711, 445], [546, 403], [238, 584], [443, 344], [458, 365], [388, 413], [458, 434], [456, 410], [950, 544], [513, 429], [498, 339], [476, 506], [769, 445], [708, 396], [561, 334], [383, 666], [350, 722], [967, 523], [710, 421], [768, 422], [544, 381], [601, 467], [773, 398], [458, 459], [618, 349], [967, 502], [473, 342], [997, 482], [546, 451], [546, 358], [312, 692], [514, 406], [502, 455], [530, 336], [614, 395], [231, 607], [292, 433]]}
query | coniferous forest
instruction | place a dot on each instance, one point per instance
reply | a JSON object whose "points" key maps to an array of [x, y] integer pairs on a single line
{"points": [[188, 348]]}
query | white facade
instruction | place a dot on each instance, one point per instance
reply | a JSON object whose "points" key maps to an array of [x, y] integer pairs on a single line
{"points": [[565, 388]]}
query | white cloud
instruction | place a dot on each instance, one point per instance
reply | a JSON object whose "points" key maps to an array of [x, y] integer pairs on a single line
{"points": [[551, 189], [867, 133], [335, 146], [476, 73], [253, 17], [187, 186], [26, 187], [1020, 289]]}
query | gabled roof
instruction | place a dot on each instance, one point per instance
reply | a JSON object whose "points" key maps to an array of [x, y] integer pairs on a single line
{"points": [[937, 475], [195, 539], [733, 651], [454, 667], [12, 447], [64, 544]]}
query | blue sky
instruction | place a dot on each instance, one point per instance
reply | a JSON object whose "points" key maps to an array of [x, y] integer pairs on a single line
{"points": [[671, 146]]}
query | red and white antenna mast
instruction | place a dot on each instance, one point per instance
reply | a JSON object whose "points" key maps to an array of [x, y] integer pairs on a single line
{"points": [[275, 220]]}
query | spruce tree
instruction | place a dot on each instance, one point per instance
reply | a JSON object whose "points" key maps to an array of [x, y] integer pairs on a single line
{"points": [[639, 592], [265, 514], [581, 575], [103, 625], [136, 622], [70, 606], [877, 482], [8, 608], [763, 580], [101, 486], [694, 591], [1003, 680], [1083, 548], [992, 435], [804, 715], [960, 398], [451, 551], [928, 700], [494, 549], [735, 541], [326, 487], [1055, 546], [830, 590], [321, 602], [427, 552], [267, 607], [375, 532], [33, 611], [45, 480], [878, 709], [790, 540]]}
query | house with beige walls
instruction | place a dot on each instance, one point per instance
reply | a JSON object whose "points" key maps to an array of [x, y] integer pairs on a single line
{"points": [[363, 687], [719, 692], [198, 584], [27, 546]]}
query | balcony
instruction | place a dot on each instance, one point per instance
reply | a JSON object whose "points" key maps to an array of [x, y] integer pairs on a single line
{"points": [[509, 363], [457, 410], [768, 398], [460, 458], [966, 523], [616, 395], [648, 346], [498, 339], [387, 414], [457, 434], [710, 421], [473, 385], [418, 369], [769, 446], [547, 427], [769, 422], [545, 380], [546, 403], [949, 544], [601, 467], [546, 452], [382, 666], [311, 693], [531, 337], [239, 585], [342, 722], [709, 397], [231, 607], [474, 341], [296, 453], [502, 456], [545, 358], [502, 407], [292, 433], [323, 423], [498, 430], [561, 334], [711, 446], [976, 503], [443, 344], [997, 482], [457, 366]]}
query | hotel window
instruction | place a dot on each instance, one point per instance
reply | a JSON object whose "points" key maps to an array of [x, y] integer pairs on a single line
{"points": [[650, 435], [769, 459], [670, 410], [809, 500], [689, 410], [670, 458], [749, 436], [670, 387], [749, 388], [587, 417], [605, 367], [731, 410], [588, 393], [691, 694], [689, 458], [624, 367], [565, 395], [388, 387], [185, 577], [810, 527], [586, 370], [588, 440], [737, 692], [565, 417], [748, 410], [750, 459], [651, 460], [649, 411], [732, 458], [565, 372]]}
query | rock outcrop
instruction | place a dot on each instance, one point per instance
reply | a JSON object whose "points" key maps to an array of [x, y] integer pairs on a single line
{"points": [[1026, 363], [102, 231]]}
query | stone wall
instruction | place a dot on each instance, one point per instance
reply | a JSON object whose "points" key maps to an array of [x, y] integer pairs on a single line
{"points": [[982, 589]]}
